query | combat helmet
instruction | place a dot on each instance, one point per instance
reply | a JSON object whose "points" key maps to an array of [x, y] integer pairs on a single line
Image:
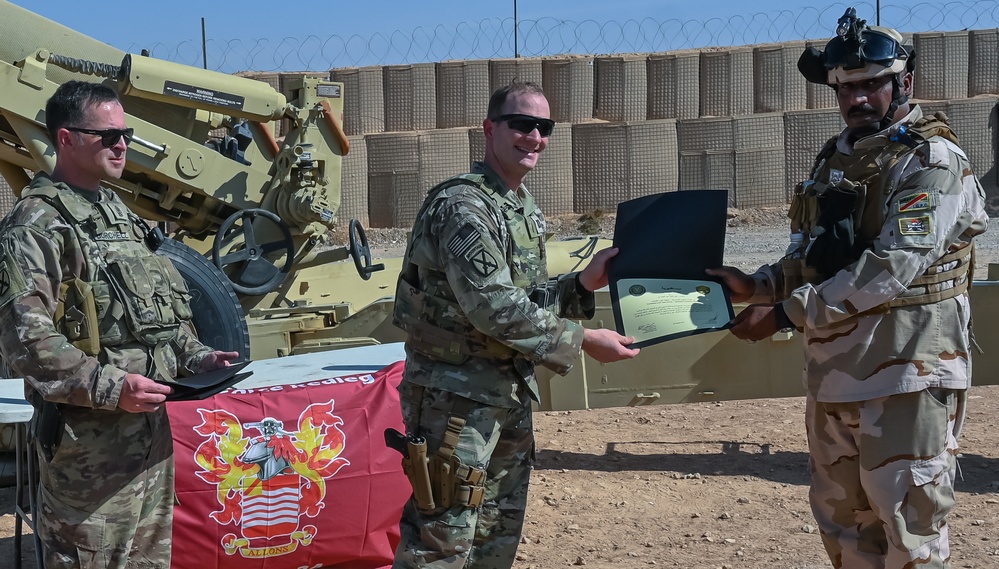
{"points": [[860, 52]]}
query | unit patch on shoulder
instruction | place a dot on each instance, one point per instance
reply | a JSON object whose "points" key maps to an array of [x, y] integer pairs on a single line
{"points": [[915, 202], [484, 262], [914, 225], [12, 282]]}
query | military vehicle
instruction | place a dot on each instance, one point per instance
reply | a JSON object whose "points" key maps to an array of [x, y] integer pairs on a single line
{"points": [[253, 221]]}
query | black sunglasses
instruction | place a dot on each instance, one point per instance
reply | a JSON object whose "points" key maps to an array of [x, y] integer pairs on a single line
{"points": [[527, 123], [109, 136]]}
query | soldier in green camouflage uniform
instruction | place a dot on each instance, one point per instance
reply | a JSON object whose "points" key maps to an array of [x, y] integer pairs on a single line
{"points": [[879, 286], [70, 247], [480, 312]]}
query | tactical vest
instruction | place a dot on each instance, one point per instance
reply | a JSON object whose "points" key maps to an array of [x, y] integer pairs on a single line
{"points": [[128, 291], [429, 312], [866, 172]]}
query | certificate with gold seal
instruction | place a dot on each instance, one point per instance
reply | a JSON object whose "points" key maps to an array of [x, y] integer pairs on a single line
{"points": [[658, 285], [659, 309]]}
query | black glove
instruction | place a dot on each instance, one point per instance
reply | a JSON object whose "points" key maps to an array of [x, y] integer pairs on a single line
{"points": [[833, 246]]}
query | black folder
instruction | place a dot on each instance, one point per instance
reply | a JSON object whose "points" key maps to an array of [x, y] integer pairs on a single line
{"points": [[204, 385], [673, 235]]}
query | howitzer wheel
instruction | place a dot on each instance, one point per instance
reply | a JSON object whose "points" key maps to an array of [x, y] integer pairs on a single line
{"points": [[250, 268], [360, 251], [218, 315]]}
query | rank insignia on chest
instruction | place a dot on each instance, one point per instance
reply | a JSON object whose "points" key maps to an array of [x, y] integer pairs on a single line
{"points": [[914, 225], [112, 236], [835, 177], [915, 202], [539, 224]]}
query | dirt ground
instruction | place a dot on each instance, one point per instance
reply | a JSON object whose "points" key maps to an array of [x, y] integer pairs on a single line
{"points": [[706, 485]]}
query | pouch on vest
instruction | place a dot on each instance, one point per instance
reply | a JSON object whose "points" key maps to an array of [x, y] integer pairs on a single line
{"points": [[411, 314], [110, 315], [154, 296], [76, 316], [832, 243]]}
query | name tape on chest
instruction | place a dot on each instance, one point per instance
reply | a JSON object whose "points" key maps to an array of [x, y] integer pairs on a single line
{"points": [[112, 236]]}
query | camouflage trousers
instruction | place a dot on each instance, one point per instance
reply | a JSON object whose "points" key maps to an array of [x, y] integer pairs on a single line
{"points": [[105, 498], [498, 440], [883, 477]]}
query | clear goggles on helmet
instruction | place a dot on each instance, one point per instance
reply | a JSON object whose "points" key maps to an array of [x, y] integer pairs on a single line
{"points": [[853, 52]]}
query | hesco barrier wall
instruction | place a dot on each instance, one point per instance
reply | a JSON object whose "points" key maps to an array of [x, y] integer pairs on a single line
{"points": [[779, 85], [354, 184], [740, 119], [410, 94], [619, 88], [983, 62], [462, 93], [364, 111], [941, 65], [568, 84], [7, 197], [402, 166], [504, 71], [615, 162], [727, 84], [674, 85]]}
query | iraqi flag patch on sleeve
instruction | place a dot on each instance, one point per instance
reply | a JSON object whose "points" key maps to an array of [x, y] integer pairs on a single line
{"points": [[919, 201]]}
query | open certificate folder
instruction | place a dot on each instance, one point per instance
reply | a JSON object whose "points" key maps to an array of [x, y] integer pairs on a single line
{"points": [[659, 290]]}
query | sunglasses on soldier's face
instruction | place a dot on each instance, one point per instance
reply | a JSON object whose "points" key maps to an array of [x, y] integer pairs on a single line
{"points": [[527, 123], [109, 136]]}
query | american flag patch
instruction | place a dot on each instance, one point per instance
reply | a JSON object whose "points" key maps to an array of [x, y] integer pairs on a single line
{"points": [[915, 202], [463, 241]]}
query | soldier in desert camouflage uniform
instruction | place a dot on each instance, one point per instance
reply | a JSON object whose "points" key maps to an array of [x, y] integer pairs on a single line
{"points": [[879, 286], [480, 312], [88, 315]]}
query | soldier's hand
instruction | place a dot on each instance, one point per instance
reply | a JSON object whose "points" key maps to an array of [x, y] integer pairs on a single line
{"points": [[139, 394], [755, 322], [607, 345], [594, 276], [741, 285], [217, 359]]}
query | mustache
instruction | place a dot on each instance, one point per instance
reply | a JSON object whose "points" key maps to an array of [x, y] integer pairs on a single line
{"points": [[864, 109]]}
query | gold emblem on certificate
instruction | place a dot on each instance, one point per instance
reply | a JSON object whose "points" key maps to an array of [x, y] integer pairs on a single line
{"points": [[660, 308]]}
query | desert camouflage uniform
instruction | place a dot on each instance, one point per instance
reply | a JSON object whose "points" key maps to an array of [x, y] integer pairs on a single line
{"points": [[106, 492], [886, 388], [478, 249]]}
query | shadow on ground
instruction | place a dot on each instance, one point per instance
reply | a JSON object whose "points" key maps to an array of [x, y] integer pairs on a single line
{"points": [[735, 458]]}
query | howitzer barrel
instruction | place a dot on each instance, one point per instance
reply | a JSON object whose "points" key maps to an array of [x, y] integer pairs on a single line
{"points": [[23, 32]]}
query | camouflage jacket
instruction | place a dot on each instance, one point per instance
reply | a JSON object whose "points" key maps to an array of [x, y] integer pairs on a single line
{"points": [[477, 249], [40, 250], [857, 350]]}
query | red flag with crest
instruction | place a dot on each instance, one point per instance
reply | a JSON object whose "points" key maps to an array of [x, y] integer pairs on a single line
{"points": [[290, 477]]}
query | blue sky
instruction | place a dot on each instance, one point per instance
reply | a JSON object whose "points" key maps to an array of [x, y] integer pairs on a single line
{"points": [[443, 29]]}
